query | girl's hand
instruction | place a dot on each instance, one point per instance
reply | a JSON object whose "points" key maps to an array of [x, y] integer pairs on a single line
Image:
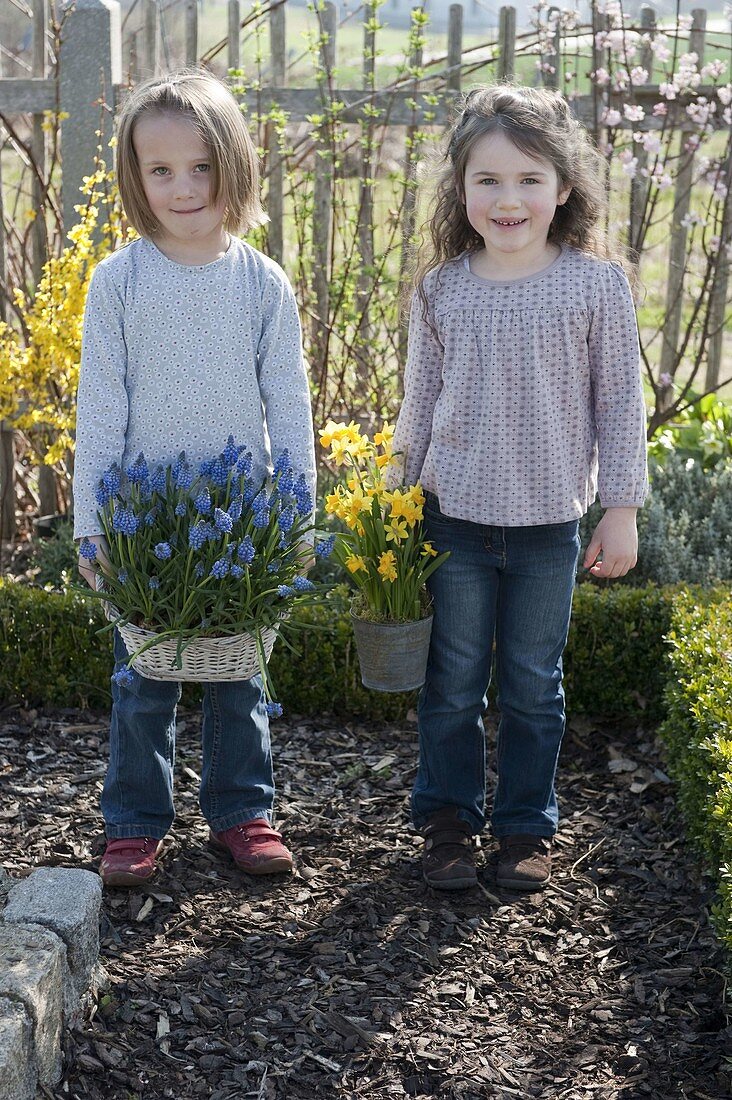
{"points": [[616, 539], [88, 569]]}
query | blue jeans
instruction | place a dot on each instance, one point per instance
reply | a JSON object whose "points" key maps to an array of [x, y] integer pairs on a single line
{"points": [[511, 585], [237, 783]]}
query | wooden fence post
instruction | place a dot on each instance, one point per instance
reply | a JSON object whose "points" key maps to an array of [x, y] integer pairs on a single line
{"points": [[46, 477], [453, 79], [718, 295], [191, 32], [409, 209], [366, 197], [7, 435], [276, 174], [677, 248], [639, 185], [507, 43], [90, 64], [150, 38], [549, 78], [323, 190], [233, 43]]}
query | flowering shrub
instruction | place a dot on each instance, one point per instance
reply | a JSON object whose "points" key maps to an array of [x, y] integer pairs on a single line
{"points": [[39, 362], [204, 553], [383, 549]]}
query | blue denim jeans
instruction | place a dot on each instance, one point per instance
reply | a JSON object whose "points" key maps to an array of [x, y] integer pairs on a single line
{"points": [[511, 585], [237, 783]]}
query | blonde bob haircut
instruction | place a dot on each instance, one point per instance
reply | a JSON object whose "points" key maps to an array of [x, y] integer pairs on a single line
{"points": [[210, 106]]}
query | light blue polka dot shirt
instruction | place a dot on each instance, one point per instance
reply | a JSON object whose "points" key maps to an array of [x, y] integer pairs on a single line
{"points": [[178, 357]]}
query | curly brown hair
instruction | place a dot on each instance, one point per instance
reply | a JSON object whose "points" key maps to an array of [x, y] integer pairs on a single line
{"points": [[538, 121]]}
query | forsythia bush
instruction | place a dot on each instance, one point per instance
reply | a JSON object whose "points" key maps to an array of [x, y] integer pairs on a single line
{"points": [[39, 366]]}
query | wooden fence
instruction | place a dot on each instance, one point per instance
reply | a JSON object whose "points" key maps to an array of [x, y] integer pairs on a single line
{"points": [[88, 82]]}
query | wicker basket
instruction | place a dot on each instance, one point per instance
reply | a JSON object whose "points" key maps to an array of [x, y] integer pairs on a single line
{"points": [[203, 659]]}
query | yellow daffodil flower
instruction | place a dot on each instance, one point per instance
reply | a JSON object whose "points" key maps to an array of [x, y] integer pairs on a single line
{"points": [[428, 550], [354, 563], [385, 436], [387, 565], [396, 530]]}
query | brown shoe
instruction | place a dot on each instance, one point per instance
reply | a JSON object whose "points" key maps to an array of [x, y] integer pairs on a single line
{"points": [[524, 862], [448, 862]]}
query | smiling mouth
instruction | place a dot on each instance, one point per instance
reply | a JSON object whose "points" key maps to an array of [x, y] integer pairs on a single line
{"points": [[509, 221], [197, 209]]}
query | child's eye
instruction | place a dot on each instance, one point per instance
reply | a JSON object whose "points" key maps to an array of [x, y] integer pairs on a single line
{"points": [[159, 171], [488, 179], [530, 179], [203, 168]]}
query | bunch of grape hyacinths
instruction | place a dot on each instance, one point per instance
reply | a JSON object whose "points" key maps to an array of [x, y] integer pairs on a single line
{"points": [[208, 552]]}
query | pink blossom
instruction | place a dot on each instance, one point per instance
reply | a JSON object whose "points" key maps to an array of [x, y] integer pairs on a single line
{"points": [[601, 77], [724, 94], [611, 117], [668, 91], [660, 109], [639, 75], [714, 69], [633, 112]]}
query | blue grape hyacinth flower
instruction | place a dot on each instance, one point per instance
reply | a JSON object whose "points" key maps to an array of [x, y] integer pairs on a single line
{"points": [[223, 521], [203, 501], [125, 521], [163, 551], [112, 479], [325, 548], [302, 584], [138, 472], [88, 550], [220, 568], [102, 493], [123, 676], [274, 710], [245, 553]]}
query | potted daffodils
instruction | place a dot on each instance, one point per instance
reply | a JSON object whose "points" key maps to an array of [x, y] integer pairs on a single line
{"points": [[386, 556], [203, 565]]}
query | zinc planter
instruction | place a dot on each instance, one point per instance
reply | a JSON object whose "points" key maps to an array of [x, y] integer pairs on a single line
{"points": [[392, 656]]}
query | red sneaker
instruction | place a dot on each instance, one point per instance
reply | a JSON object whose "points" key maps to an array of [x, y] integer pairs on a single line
{"points": [[129, 861], [255, 847]]}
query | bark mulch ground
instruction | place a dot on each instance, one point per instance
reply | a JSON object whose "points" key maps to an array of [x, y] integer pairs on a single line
{"points": [[353, 979]]}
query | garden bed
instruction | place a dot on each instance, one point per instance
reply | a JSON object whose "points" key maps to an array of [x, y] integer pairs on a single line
{"points": [[352, 979]]}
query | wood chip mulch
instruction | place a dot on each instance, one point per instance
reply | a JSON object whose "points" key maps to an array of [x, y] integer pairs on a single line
{"points": [[352, 979]]}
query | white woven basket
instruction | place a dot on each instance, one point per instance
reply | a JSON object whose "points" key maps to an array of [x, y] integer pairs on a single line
{"points": [[203, 659]]}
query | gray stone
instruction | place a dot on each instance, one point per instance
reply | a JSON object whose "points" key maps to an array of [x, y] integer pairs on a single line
{"points": [[90, 65], [68, 902], [18, 1075], [33, 970]]}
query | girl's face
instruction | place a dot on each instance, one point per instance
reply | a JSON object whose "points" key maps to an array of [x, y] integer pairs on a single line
{"points": [[511, 197], [175, 168]]}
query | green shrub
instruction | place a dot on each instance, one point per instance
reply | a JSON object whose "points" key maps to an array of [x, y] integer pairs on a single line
{"points": [[614, 664], [698, 736], [49, 650], [56, 558], [685, 528]]}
